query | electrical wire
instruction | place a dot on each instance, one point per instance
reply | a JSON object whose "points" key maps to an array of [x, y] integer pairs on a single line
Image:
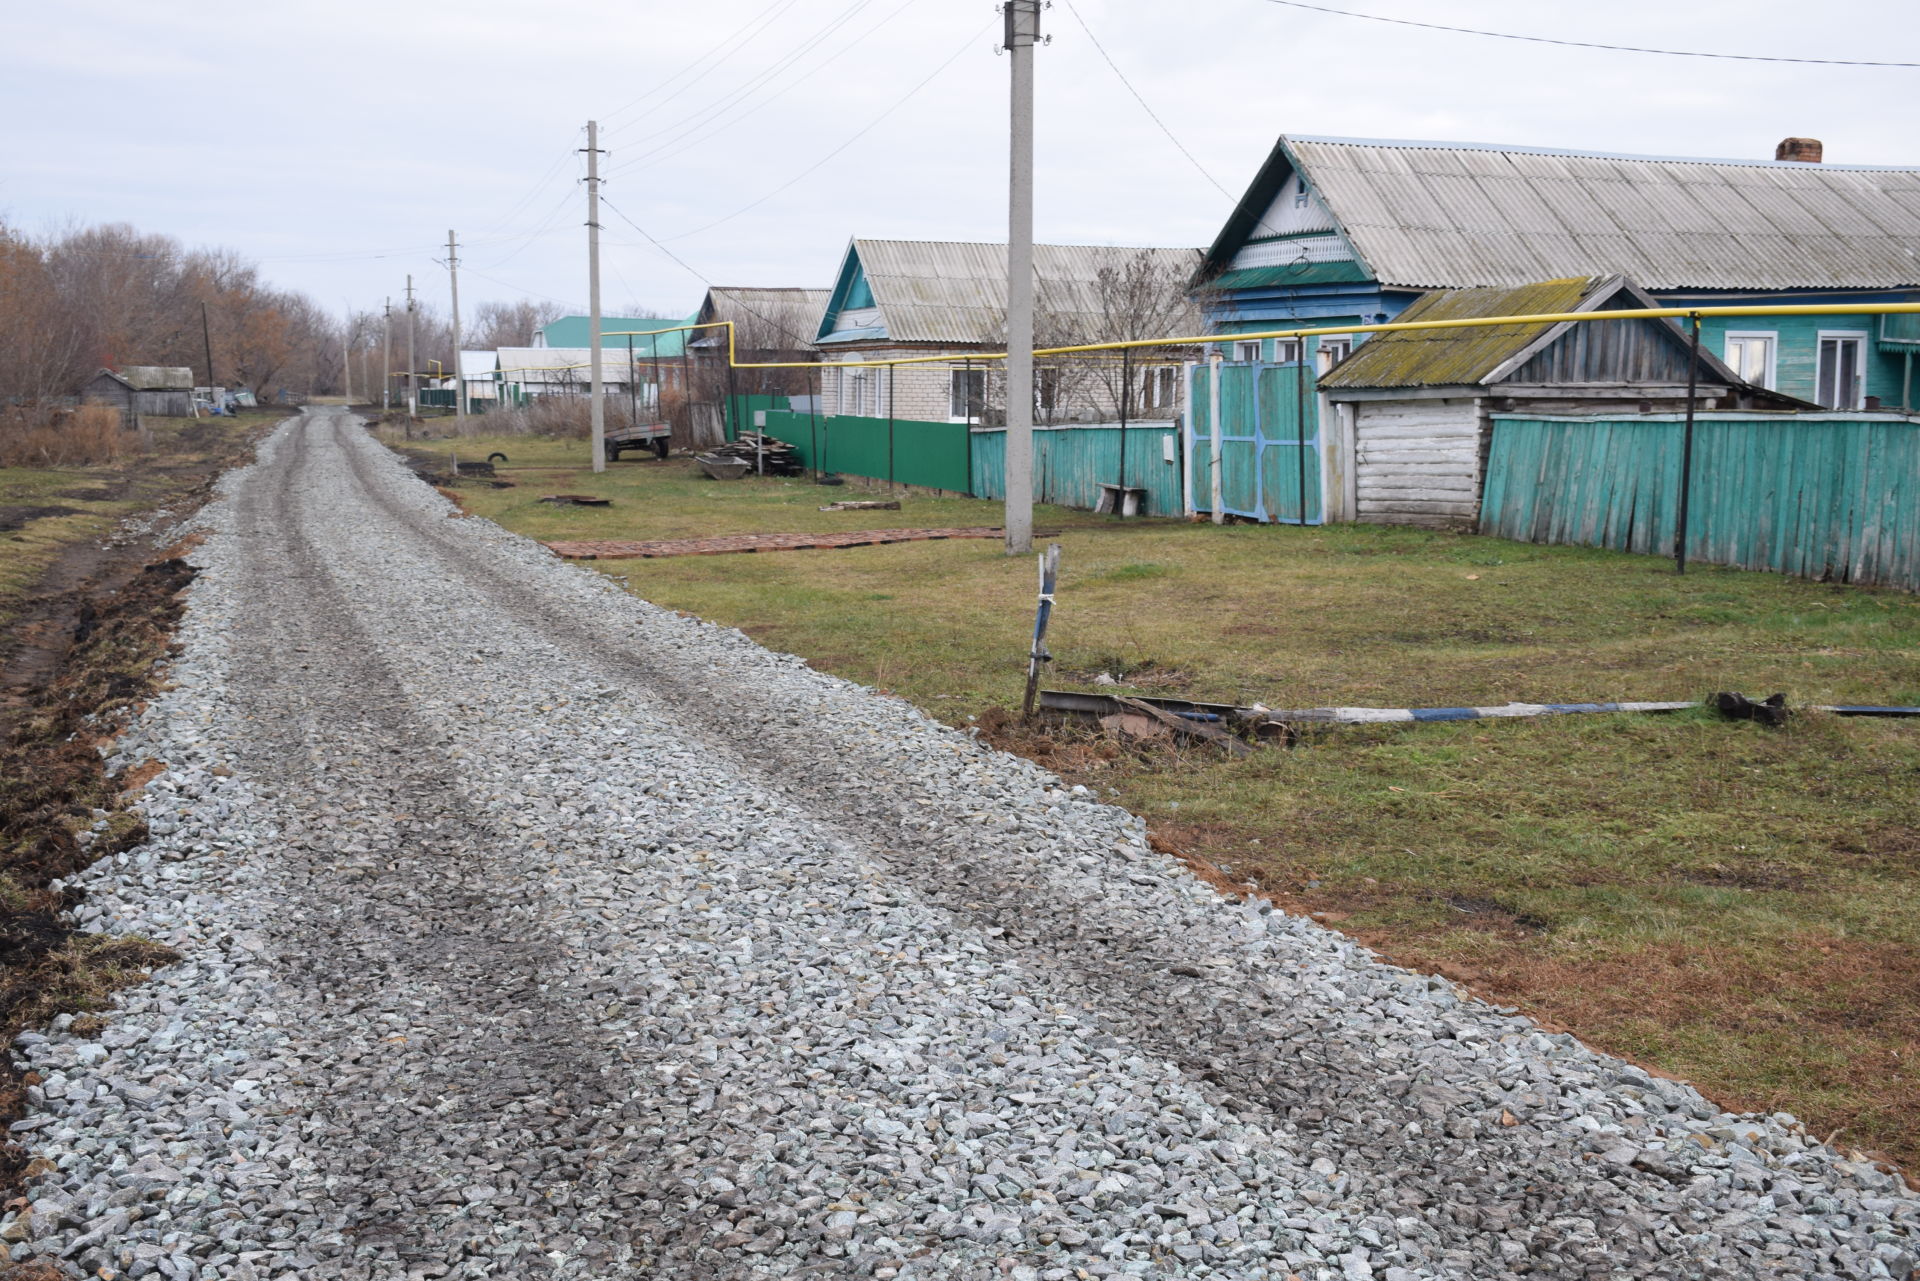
{"points": [[1587, 44], [1151, 113], [863, 132], [698, 274], [749, 30], [713, 121]]}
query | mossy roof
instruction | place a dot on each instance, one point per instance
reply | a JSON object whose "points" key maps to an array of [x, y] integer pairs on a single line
{"points": [[1456, 357]]}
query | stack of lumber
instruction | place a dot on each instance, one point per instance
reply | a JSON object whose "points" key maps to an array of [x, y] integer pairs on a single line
{"points": [[775, 457]]}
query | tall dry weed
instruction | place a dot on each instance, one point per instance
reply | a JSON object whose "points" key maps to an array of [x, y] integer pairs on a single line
{"points": [[61, 437]]}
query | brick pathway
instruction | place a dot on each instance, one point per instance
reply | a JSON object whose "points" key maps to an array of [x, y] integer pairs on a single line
{"points": [[602, 549]]}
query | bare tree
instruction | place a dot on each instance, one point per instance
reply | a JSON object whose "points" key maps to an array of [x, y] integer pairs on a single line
{"points": [[508, 324]]}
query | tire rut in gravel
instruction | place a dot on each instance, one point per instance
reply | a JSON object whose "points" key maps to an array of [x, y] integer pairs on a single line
{"points": [[1449, 1150]]}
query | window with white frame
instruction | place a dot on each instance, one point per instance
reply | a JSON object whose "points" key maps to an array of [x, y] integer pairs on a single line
{"points": [[1842, 377], [1157, 386], [1247, 351], [968, 393], [1331, 352], [853, 391], [1751, 355], [1046, 391], [1286, 351]]}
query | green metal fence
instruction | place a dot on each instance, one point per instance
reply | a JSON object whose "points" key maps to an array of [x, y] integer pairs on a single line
{"points": [[1823, 496], [1268, 464], [934, 455]]}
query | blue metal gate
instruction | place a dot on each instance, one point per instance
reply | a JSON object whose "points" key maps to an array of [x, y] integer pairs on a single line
{"points": [[1269, 467]]}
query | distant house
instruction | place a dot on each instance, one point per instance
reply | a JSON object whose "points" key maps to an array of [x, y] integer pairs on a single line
{"points": [[576, 331], [1413, 409], [479, 379], [900, 298], [770, 323], [1353, 230], [143, 389], [528, 373]]}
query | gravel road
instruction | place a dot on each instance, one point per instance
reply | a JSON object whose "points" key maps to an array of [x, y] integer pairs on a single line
{"points": [[534, 931]]}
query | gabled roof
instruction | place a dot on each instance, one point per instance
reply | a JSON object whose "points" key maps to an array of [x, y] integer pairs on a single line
{"points": [[1447, 215], [956, 291], [1488, 354], [156, 377], [788, 316], [560, 364]]}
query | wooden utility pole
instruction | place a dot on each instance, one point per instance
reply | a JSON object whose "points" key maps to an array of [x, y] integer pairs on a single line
{"points": [[386, 354], [598, 409], [346, 360], [413, 404], [206, 336], [459, 375], [1022, 33]]}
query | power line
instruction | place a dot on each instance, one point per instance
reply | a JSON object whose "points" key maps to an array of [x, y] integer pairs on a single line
{"points": [[747, 29], [1587, 44], [1151, 114], [700, 275], [705, 125], [863, 132]]}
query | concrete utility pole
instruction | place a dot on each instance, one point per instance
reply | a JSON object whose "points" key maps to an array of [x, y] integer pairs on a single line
{"points": [[1022, 33], [206, 336], [459, 375], [413, 406], [598, 408], [386, 353]]}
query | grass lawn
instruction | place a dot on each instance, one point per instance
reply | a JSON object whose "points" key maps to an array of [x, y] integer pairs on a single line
{"points": [[1730, 904]]}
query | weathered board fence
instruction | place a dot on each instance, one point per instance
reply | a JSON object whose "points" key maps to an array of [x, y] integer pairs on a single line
{"points": [[1070, 463], [1832, 497]]}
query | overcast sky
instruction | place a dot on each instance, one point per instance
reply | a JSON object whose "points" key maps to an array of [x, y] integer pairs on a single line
{"points": [[337, 143]]}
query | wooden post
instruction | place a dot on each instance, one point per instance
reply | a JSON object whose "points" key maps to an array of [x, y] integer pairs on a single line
{"points": [[1049, 578], [1686, 447]]}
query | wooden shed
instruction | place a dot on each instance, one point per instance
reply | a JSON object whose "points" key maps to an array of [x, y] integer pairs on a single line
{"points": [[143, 389], [1413, 409]]}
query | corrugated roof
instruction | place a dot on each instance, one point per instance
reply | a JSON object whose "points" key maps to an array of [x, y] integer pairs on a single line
{"points": [[792, 313], [560, 364], [1456, 357], [158, 377], [1442, 215], [956, 291], [573, 331]]}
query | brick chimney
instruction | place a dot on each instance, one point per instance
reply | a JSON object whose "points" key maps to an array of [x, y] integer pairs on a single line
{"points": [[1805, 150]]}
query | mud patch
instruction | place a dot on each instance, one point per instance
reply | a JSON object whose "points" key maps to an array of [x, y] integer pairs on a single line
{"points": [[16, 516]]}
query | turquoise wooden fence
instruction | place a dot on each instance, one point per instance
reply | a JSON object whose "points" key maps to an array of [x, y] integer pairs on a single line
{"points": [[1833, 497], [1071, 463]]}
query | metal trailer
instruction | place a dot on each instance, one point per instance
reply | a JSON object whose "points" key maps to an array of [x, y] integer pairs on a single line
{"points": [[652, 436]]}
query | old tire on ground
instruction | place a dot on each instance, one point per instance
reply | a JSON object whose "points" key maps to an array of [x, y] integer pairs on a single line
{"points": [[496, 457]]}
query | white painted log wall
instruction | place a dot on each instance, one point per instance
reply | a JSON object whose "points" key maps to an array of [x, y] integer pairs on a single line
{"points": [[1418, 461]]}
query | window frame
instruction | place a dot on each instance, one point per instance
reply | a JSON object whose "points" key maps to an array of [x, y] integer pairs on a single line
{"points": [[972, 402], [1770, 379], [1858, 337], [1240, 356]]}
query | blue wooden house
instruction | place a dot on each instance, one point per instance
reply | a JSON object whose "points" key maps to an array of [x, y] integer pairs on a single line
{"points": [[1352, 230]]}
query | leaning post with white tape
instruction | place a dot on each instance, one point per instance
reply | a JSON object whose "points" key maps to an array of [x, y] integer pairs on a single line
{"points": [[1049, 577]]}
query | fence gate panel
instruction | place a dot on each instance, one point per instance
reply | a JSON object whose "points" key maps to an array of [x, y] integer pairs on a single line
{"points": [[1265, 462]]}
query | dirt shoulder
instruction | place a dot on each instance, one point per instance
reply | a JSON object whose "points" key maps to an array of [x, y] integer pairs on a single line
{"points": [[80, 640]]}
